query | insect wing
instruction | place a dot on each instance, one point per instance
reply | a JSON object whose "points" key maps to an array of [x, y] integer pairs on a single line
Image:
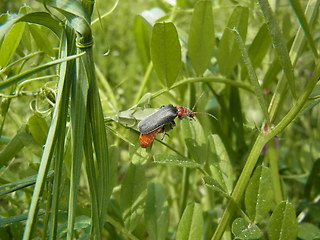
{"points": [[158, 119]]}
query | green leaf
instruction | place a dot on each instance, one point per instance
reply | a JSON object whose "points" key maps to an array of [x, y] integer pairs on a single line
{"points": [[278, 43], [228, 52], [215, 185], [258, 196], [38, 128], [133, 190], [283, 223], [10, 43], [44, 19], [252, 75], [308, 231], [312, 187], [244, 230], [190, 225], [201, 36], [156, 212], [174, 160], [22, 76], [41, 39], [166, 52], [142, 34], [196, 140], [259, 46], [221, 168], [304, 24]]}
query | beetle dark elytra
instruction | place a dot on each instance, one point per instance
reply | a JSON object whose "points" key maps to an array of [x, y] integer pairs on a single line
{"points": [[161, 121], [158, 119]]}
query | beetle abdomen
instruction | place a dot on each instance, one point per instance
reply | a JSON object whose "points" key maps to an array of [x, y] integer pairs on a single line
{"points": [[157, 119]]}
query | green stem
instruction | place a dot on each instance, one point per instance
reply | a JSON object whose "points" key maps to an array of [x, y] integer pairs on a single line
{"points": [[205, 79], [144, 83], [240, 186], [276, 183], [261, 140]]}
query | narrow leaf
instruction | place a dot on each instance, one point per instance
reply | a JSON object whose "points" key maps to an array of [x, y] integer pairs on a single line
{"points": [[10, 43], [44, 19], [166, 52], [252, 74], [283, 223], [201, 36], [279, 43], [304, 24], [228, 52], [175, 160], [260, 46], [156, 212], [190, 225], [142, 34], [41, 39], [258, 196], [16, 78]]}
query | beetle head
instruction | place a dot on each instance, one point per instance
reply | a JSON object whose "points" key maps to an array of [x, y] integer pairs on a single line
{"points": [[183, 111]]}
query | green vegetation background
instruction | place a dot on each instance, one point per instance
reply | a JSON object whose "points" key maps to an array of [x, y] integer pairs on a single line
{"points": [[251, 173]]}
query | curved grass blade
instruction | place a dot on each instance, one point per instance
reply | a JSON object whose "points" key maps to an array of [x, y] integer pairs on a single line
{"points": [[24, 75]]}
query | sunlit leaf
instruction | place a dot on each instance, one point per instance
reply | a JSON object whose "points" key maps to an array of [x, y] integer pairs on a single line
{"points": [[166, 52], [244, 230], [258, 197], [283, 223], [133, 191], [190, 225], [156, 212], [201, 36], [228, 52], [175, 160]]}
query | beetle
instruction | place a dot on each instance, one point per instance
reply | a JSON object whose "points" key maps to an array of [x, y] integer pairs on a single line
{"points": [[147, 139], [162, 121]]}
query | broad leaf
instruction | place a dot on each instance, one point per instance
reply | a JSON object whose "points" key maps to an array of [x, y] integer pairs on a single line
{"points": [[244, 230], [133, 190], [283, 223], [190, 225], [221, 168], [308, 231], [258, 197], [201, 36], [38, 128], [229, 53], [166, 52], [156, 212]]}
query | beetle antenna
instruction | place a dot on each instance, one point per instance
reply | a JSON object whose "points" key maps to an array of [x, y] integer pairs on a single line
{"points": [[197, 101], [209, 114]]}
